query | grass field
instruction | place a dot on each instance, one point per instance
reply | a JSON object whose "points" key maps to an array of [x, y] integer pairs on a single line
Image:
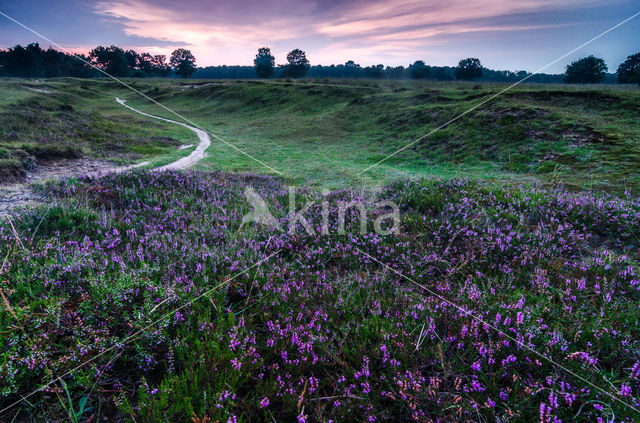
{"points": [[70, 120], [327, 133], [509, 292]]}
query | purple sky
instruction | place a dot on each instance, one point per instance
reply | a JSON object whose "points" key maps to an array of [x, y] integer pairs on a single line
{"points": [[504, 34]]}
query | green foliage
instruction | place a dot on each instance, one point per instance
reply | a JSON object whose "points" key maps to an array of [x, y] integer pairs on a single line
{"points": [[588, 70], [183, 62], [468, 69], [547, 167], [374, 72], [113, 60], [297, 64], [629, 70], [49, 222], [418, 70], [265, 63]]}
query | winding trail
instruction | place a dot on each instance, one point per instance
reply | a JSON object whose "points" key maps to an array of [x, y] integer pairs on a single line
{"points": [[185, 162], [21, 194]]}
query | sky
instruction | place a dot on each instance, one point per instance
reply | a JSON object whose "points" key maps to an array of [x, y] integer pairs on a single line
{"points": [[503, 34]]}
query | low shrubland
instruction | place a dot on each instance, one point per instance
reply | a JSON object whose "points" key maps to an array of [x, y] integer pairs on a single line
{"points": [[149, 297]]}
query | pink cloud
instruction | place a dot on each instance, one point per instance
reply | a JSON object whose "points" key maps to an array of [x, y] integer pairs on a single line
{"points": [[393, 15], [230, 32], [212, 40]]}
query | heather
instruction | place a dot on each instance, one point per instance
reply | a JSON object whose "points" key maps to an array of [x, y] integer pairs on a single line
{"points": [[152, 278]]}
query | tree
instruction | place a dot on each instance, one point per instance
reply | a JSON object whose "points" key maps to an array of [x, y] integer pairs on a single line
{"points": [[397, 72], [132, 59], [265, 63], [375, 72], [145, 64], [111, 59], [154, 66], [588, 70], [21, 61], [183, 62], [351, 69], [298, 64], [629, 70], [77, 66], [419, 70], [469, 69], [159, 66], [440, 73]]}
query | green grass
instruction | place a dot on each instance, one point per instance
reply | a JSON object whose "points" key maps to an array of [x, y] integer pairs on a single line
{"points": [[77, 120], [326, 133]]}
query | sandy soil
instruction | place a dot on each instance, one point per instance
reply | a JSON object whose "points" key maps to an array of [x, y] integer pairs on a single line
{"points": [[38, 90], [22, 194], [195, 156]]}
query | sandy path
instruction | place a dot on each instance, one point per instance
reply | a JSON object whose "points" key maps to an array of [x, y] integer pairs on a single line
{"points": [[44, 89], [21, 194], [39, 90], [195, 156]]}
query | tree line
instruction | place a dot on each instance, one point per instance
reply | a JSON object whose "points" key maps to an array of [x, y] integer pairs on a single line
{"points": [[33, 61]]}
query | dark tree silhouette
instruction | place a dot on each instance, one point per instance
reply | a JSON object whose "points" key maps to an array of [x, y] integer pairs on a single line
{"points": [[397, 72], [145, 65], [264, 63], [351, 69], [33, 61], [111, 59], [469, 69], [78, 68], [132, 59], [375, 72], [21, 61], [183, 62], [297, 65], [160, 66], [629, 70], [154, 66], [588, 70], [418, 70]]}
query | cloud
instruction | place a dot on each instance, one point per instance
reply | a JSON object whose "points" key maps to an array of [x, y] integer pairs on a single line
{"points": [[212, 32], [394, 15], [220, 31]]}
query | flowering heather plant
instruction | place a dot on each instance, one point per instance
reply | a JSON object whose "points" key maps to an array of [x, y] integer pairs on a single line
{"points": [[320, 331]]}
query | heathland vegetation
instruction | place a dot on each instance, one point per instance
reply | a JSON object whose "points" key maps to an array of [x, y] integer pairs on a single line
{"points": [[133, 290], [509, 292]]}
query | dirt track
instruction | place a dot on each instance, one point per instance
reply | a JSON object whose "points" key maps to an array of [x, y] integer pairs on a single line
{"points": [[21, 194], [195, 156]]}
